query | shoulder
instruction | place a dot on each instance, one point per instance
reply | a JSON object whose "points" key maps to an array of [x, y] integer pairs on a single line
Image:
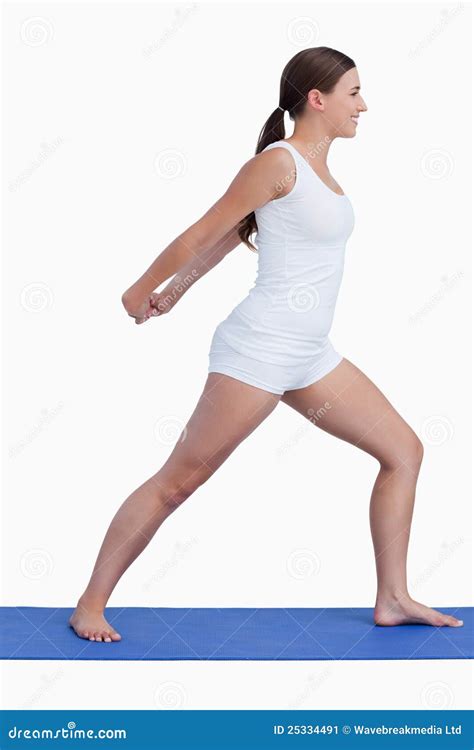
{"points": [[267, 175], [278, 155], [278, 168]]}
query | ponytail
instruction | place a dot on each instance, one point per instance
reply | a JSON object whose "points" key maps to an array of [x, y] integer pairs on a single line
{"points": [[316, 67], [273, 130]]}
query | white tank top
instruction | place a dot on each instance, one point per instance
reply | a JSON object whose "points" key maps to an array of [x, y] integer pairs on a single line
{"points": [[301, 237]]}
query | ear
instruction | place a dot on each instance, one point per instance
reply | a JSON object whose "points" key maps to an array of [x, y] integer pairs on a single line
{"points": [[315, 99]]}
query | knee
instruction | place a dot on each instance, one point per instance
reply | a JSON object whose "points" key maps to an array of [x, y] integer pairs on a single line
{"points": [[418, 450], [177, 487], [408, 453]]}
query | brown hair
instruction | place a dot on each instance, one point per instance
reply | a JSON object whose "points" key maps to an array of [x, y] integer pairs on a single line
{"points": [[316, 67]]}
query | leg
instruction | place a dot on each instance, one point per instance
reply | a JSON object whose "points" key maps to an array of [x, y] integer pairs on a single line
{"points": [[226, 413], [347, 404]]}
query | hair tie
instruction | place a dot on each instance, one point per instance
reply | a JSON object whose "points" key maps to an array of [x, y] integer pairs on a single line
{"points": [[282, 108]]}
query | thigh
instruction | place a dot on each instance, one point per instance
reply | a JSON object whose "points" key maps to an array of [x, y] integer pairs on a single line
{"points": [[227, 412], [347, 404]]}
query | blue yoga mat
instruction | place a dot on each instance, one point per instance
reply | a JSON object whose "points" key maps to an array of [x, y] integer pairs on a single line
{"points": [[233, 633]]}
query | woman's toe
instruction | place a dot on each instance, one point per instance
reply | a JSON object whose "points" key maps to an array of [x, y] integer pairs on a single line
{"points": [[446, 621]]}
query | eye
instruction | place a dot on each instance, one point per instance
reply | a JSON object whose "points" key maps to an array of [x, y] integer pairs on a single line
{"points": [[355, 93]]}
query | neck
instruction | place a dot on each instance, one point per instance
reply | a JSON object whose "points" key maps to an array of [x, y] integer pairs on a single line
{"points": [[315, 140]]}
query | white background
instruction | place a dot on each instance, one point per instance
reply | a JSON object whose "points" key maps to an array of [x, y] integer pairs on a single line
{"points": [[94, 97]]}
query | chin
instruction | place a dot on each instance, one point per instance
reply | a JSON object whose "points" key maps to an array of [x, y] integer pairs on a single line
{"points": [[345, 135]]}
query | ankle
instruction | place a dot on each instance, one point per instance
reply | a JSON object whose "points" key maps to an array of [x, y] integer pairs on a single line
{"points": [[393, 595], [89, 603]]}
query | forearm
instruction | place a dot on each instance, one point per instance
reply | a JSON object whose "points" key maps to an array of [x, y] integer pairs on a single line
{"points": [[198, 266], [186, 248], [170, 260], [188, 269]]}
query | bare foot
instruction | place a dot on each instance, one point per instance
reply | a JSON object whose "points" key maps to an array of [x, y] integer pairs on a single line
{"points": [[91, 624], [404, 610]]}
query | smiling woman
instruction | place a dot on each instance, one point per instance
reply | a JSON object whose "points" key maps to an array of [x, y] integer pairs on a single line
{"points": [[275, 346]]}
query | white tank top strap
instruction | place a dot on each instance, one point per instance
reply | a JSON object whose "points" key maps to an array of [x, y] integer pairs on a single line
{"points": [[289, 147], [307, 174], [300, 174], [283, 144]]}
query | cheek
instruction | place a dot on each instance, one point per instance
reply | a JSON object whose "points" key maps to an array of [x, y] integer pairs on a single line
{"points": [[345, 113], [339, 112], [346, 108]]}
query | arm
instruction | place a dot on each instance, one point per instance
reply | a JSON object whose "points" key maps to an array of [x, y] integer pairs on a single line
{"points": [[195, 269], [255, 184]]}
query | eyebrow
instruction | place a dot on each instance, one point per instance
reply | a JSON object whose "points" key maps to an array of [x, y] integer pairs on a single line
{"points": [[355, 87]]}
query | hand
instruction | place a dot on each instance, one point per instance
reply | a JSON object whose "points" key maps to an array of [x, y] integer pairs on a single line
{"points": [[155, 304], [141, 312], [162, 302]]}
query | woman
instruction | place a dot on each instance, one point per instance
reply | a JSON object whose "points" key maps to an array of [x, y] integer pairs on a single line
{"points": [[274, 345]]}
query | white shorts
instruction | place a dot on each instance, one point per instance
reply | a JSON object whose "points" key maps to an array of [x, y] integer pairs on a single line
{"points": [[270, 377]]}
